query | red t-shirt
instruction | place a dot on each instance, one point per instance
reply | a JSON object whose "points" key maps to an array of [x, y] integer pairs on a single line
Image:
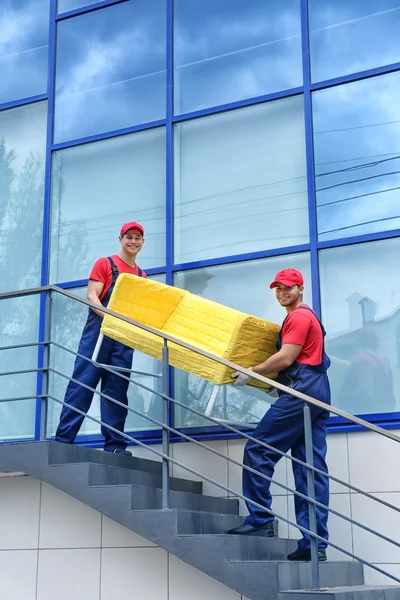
{"points": [[102, 272], [302, 327]]}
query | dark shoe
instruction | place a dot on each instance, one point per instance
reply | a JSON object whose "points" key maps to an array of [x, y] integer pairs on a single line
{"points": [[266, 530], [122, 452], [305, 555]]}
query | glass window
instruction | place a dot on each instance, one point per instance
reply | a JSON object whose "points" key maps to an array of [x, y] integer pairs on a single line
{"points": [[95, 189], [24, 27], [68, 318], [19, 325], [226, 51], [362, 324], [110, 69], [65, 5], [240, 181], [244, 286], [22, 162], [348, 37], [356, 132]]}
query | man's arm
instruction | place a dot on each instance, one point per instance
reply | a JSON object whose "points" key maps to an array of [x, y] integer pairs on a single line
{"points": [[279, 361], [93, 294]]}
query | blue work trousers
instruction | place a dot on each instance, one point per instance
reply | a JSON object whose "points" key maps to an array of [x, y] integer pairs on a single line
{"points": [[283, 428], [113, 354]]}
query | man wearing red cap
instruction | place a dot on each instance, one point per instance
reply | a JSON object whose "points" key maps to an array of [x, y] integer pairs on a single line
{"points": [[302, 364], [101, 284]]}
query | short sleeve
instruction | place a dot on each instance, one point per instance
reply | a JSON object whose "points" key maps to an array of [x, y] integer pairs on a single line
{"points": [[100, 270], [296, 328]]}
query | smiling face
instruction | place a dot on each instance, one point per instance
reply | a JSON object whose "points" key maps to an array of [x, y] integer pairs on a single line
{"points": [[131, 242], [289, 296]]}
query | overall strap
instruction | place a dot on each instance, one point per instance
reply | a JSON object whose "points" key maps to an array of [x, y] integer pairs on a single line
{"points": [[139, 272], [114, 269]]}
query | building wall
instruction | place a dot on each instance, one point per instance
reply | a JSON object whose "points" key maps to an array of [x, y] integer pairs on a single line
{"points": [[52, 546]]}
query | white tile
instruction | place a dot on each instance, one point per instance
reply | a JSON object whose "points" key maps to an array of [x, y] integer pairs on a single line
{"points": [[280, 507], [134, 573], [380, 518], [66, 574], [337, 461], [374, 462], [19, 513], [142, 452], [18, 571], [204, 462], [116, 536], [235, 451], [183, 577], [372, 577], [66, 522], [340, 531], [293, 532]]}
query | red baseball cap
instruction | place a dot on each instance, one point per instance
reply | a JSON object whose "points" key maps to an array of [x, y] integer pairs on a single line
{"points": [[288, 277], [131, 225]]}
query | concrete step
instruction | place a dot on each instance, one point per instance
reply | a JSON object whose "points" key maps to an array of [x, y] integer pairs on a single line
{"points": [[100, 474], [359, 592], [196, 522], [252, 548], [151, 498], [59, 453], [260, 579]]}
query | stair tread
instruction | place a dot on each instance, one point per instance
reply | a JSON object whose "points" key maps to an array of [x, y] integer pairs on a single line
{"points": [[354, 589]]}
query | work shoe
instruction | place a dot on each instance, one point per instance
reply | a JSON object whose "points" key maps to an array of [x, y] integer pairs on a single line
{"points": [[266, 530], [122, 452], [305, 555]]}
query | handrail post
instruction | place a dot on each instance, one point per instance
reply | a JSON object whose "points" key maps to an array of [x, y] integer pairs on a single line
{"points": [[312, 511], [165, 432], [46, 365]]}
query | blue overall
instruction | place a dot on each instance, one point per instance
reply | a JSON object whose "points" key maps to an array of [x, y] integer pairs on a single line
{"points": [[111, 353], [283, 428]]}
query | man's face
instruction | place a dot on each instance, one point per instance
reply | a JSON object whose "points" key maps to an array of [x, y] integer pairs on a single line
{"points": [[288, 295], [132, 241]]}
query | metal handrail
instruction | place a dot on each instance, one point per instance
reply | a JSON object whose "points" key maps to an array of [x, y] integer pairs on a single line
{"points": [[169, 338], [167, 429], [226, 425], [228, 458], [166, 457]]}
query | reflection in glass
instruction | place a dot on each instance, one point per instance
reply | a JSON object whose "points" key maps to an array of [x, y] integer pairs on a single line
{"points": [[22, 161], [65, 5], [348, 37], [19, 319], [114, 57], [227, 51], [95, 189], [244, 286], [24, 32], [361, 313], [357, 155], [240, 181], [68, 319]]}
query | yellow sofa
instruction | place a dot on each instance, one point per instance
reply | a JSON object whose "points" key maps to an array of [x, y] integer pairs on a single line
{"points": [[231, 334]]}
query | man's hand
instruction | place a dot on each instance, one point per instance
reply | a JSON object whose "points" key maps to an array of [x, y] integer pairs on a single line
{"points": [[240, 378]]}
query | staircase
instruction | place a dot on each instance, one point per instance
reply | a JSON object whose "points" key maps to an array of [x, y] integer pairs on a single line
{"points": [[128, 490]]}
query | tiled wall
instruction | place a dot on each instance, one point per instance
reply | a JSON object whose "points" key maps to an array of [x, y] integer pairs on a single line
{"points": [[364, 459], [52, 546]]}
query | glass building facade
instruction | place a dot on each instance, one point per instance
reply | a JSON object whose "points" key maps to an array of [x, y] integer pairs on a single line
{"points": [[247, 136]]}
